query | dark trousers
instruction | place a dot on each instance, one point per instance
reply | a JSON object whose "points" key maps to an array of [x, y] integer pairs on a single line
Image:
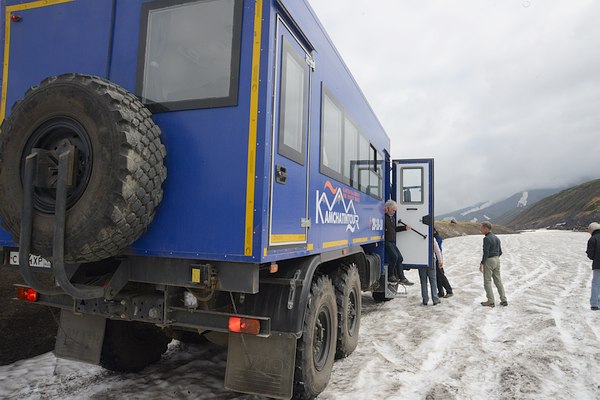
{"points": [[442, 282], [395, 260]]}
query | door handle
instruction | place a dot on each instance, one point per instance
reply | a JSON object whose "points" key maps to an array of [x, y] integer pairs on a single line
{"points": [[280, 174]]}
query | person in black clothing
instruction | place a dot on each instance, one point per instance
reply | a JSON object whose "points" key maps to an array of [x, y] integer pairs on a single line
{"points": [[593, 253], [395, 270], [442, 280]]}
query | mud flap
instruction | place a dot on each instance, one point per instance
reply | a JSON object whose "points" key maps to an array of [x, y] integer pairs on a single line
{"points": [[80, 337], [262, 366]]}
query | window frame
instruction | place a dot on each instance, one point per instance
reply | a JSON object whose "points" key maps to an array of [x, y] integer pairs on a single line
{"points": [[338, 176], [422, 201], [212, 102], [283, 149]]}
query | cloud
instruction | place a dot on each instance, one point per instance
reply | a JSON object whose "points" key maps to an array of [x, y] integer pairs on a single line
{"points": [[505, 95]]}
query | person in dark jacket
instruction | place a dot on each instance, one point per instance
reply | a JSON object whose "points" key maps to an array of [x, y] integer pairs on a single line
{"points": [[593, 253], [490, 266], [442, 280], [395, 270]]}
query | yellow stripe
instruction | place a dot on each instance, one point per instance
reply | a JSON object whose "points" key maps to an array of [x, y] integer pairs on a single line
{"points": [[375, 237], [360, 240], [252, 129], [9, 10], [288, 238], [337, 243], [310, 247]]}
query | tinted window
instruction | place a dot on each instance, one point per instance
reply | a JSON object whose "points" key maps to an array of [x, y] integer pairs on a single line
{"points": [[350, 152], [191, 53]]}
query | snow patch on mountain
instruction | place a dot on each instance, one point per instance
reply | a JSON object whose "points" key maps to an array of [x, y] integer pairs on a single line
{"points": [[478, 208], [523, 200]]}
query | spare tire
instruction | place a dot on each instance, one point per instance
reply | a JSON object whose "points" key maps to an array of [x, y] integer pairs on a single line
{"points": [[119, 165]]}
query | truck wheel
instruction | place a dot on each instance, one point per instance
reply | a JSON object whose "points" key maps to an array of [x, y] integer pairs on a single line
{"points": [[316, 348], [349, 303], [119, 165], [131, 346]]}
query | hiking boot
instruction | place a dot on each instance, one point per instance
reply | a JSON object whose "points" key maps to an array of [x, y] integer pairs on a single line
{"points": [[487, 304], [504, 303], [406, 282], [392, 278], [435, 303], [595, 308], [448, 295]]}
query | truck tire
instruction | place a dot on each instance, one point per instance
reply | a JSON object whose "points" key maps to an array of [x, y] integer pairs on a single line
{"points": [[119, 165], [349, 303], [315, 351], [131, 346]]}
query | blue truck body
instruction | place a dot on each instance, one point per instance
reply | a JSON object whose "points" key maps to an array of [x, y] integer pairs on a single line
{"points": [[216, 204]]}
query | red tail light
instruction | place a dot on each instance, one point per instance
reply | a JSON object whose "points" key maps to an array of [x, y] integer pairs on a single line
{"points": [[244, 325], [27, 294]]}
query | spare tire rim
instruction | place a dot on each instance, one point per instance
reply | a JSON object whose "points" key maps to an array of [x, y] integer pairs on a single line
{"points": [[53, 135]]}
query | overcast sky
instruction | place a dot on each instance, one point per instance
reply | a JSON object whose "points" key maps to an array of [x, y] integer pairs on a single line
{"points": [[504, 94]]}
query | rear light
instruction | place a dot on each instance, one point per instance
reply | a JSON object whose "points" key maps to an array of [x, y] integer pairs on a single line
{"points": [[27, 294], [244, 325]]}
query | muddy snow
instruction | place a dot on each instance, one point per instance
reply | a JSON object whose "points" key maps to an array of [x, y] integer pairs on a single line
{"points": [[543, 345]]}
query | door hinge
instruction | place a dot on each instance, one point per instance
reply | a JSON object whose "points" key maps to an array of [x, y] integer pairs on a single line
{"points": [[305, 223], [311, 62]]}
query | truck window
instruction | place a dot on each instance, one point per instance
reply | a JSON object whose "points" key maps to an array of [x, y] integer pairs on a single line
{"points": [[293, 104], [412, 185], [189, 54], [331, 138], [350, 153]]}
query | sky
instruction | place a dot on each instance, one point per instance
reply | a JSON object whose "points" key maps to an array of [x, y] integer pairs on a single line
{"points": [[503, 94]]}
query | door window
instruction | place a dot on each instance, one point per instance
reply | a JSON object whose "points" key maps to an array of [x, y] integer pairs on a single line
{"points": [[412, 185], [293, 104]]}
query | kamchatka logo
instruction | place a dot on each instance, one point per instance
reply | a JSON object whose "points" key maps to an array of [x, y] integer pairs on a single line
{"points": [[336, 211]]}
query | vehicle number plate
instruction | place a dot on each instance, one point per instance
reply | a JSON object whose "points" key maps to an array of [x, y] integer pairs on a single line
{"points": [[34, 261]]}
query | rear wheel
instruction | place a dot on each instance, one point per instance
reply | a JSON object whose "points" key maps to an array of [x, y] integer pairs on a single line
{"points": [[316, 348], [349, 303], [131, 346]]}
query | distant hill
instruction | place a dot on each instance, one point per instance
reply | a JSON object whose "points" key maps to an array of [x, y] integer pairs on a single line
{"points": [[499, 212], [448, 229], [572, 208]]}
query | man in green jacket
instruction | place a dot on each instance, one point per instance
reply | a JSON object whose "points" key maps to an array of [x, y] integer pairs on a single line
{"points": [[490, 266]]}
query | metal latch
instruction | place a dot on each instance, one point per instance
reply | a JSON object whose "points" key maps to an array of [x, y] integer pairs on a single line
{"points": [[305, 223], [280, 174]]}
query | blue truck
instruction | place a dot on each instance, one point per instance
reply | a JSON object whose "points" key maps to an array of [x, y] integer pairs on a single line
{"points": [[185, 167]]}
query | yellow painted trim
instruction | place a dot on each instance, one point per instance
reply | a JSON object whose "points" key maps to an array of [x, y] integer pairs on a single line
{"points": [[310, 247], [337, 243], [265, 252], [375, 237], [249, 229], [360, 240], [9, 11], [288, 238]]}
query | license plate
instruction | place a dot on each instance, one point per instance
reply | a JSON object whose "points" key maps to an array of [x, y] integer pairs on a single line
{"points": [[34, 261]]}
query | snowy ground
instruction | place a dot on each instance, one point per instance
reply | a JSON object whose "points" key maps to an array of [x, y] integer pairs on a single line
{"points": [[544, 345]]}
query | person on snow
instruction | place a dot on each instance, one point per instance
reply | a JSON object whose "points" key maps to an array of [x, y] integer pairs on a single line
{"points": [[442, 280], [593, 253], [490, 266], [430, 273], [395, 270]]}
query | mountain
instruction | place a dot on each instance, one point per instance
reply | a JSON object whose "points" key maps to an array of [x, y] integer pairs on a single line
{"points": [[499, 212], [573, 208]]}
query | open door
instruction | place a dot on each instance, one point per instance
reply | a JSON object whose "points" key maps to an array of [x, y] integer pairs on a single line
{"points": [[412, 189]]}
